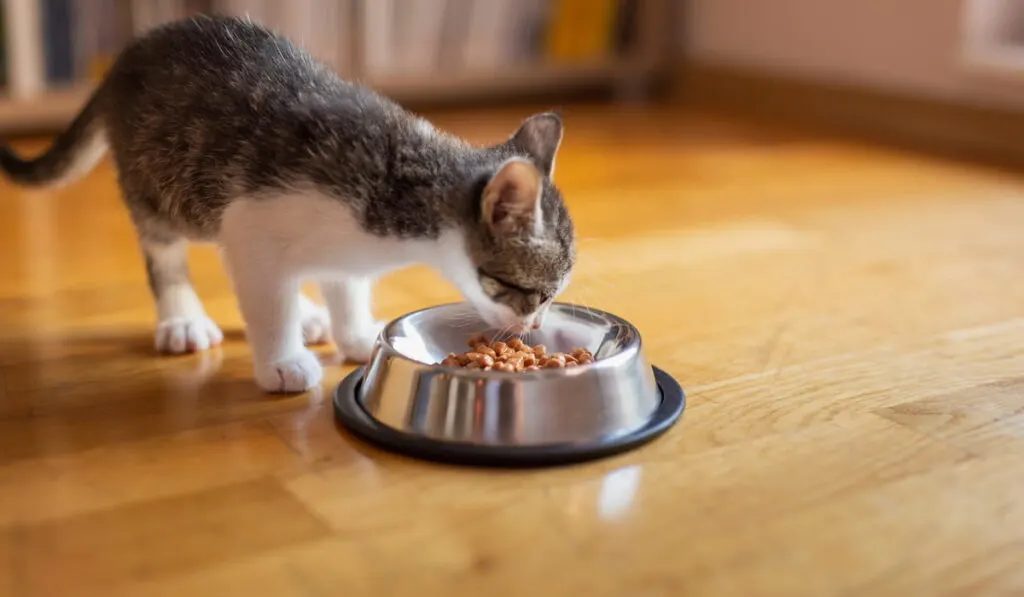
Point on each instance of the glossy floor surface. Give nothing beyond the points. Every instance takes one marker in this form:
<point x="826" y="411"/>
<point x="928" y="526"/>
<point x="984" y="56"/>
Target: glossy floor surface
<point x="848" y="322"/>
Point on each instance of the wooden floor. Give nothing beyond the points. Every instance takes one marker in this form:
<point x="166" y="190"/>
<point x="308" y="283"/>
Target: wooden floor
<point x="848" y="322"/>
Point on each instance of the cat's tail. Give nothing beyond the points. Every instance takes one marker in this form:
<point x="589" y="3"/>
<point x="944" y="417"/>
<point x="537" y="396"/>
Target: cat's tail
<point x="74" y="153"/>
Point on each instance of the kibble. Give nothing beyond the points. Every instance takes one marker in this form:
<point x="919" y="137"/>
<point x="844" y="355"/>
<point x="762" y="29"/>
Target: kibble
<point x="514" y="356"/>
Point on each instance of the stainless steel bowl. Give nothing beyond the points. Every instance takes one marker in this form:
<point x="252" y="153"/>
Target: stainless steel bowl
<point x="404" y="401"/>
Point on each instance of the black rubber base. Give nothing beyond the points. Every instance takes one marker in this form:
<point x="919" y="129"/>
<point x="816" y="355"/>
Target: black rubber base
<point x="353" y="417"/>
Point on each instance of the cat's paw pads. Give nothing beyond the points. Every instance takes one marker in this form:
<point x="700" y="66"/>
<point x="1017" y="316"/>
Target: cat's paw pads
<point x="316" y="324"/>
<point x="356" y="344"/>
<point x="179" y="335"/>
<point x="296" y="373"/>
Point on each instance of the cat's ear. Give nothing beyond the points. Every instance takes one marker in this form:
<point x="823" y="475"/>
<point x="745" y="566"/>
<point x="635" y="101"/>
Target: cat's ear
<point x="510" y="203"/>
<point x="539" y="136"/>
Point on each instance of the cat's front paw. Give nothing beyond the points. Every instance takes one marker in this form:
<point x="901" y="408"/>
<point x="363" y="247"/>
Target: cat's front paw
<point x="356" y="343"/>
<point x="296" y="373"/>
<point x="179" y="335"/>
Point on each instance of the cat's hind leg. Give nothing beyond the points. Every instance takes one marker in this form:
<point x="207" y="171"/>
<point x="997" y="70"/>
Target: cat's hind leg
<point x="354" y="328"/>
<point x="183" y="325"/>
<point x="316" y="322"/>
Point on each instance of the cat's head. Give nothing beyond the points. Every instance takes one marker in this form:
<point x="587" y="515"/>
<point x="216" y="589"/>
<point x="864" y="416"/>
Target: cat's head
<point x="521" y="243"/>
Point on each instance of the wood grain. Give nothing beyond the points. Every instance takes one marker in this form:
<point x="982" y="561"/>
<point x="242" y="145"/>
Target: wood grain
<point x="847" y="320"/>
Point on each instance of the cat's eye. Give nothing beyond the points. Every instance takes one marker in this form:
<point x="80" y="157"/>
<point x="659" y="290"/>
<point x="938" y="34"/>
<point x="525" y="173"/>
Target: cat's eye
<point x="507" y="284"/>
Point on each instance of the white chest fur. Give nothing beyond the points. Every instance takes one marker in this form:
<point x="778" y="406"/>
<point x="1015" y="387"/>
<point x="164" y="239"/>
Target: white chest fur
<point x="311" y="235"/>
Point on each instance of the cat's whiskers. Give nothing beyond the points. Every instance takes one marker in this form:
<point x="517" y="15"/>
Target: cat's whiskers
<point x="505" y="333"/>
<point x="581" y="303"/>
<point x="461" y="318"/>
<point x="586" y="240"/>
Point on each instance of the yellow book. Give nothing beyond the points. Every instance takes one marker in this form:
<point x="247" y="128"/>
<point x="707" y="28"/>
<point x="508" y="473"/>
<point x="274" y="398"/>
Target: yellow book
<point x="581" y="29"/>
<point x="99" y="66"/>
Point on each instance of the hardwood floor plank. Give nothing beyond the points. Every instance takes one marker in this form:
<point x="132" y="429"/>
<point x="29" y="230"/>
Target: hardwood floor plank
<point x="984" y="420"/>
<point x="155" y="539"/>
<point x="719" y="487"/>
<point x="831" y="547"/>
<point x="124" y="473"/>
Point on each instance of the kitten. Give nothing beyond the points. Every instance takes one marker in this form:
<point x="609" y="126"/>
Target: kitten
<point x="224" y="132"/>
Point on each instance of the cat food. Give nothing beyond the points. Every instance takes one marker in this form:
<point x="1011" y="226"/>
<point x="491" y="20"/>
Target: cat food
<point x="514" y="356"/>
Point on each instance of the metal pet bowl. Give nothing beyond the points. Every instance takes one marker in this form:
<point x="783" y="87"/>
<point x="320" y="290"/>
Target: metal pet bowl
<point x="403" y="401"/>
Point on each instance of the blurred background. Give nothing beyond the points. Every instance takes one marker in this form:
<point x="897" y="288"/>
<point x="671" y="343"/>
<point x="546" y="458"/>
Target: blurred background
<point x="415" y="50"/>
<point x="942" y="74"/>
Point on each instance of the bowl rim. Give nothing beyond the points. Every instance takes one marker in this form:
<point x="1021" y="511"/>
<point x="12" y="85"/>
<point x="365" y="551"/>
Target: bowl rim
<point x="598" y="365"/>
<point x="351" y="414"/>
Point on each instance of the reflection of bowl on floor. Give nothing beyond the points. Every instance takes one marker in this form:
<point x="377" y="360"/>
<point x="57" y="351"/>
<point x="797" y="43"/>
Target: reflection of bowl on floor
<point x="403" y="401"/>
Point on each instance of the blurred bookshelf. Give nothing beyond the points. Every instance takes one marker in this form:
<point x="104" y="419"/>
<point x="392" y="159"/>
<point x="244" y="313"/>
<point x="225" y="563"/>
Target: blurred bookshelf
<point x="55" y="51"/>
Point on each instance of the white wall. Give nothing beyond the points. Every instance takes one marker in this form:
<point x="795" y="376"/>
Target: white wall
<point x="901" y="45"/>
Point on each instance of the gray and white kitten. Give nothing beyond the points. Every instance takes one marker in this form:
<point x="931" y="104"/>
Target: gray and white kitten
<point x="222" y="131"/>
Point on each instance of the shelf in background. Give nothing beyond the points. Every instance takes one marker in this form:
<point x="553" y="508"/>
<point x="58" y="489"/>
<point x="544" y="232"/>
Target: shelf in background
<point x="50" y="111"/>
<point x="526" y="79"/>
<point x="53" y="110"/>
<point x="626" y="58"/>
